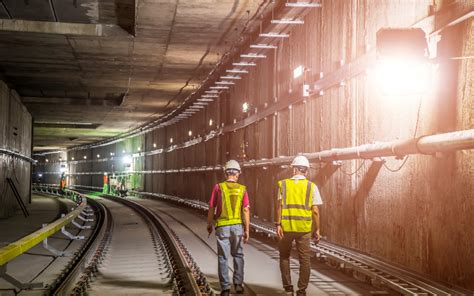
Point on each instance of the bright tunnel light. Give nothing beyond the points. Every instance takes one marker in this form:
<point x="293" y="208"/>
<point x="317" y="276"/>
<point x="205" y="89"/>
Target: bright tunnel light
<point x="245" y="107"/>
<point x="399" y="76"/>
<point x="127" y="159"/>
<point x="298" y="71"/>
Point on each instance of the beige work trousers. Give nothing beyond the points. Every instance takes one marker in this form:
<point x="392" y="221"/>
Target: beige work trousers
<point x="303" y="248"/>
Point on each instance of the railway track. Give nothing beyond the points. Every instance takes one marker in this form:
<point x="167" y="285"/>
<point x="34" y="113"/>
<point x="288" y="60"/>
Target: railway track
<point x="266" y="250"/>
<point x="161" y="263"/>
<point x="121" y="261"/>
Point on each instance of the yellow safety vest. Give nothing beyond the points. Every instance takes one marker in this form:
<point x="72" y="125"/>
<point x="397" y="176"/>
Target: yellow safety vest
<point x="297" y="201"/>
<point x="232" y="197"/>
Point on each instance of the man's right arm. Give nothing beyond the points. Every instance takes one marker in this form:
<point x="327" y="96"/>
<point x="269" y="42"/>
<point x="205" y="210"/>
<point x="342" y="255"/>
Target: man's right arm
<point x="210" y="219"/>
<point x="212" y="207"/>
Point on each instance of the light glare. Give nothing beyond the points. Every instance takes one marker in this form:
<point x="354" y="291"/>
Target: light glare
<point x="298" y="71"/>
<point x="397" y="76"/>
<point x="127" y="159"/>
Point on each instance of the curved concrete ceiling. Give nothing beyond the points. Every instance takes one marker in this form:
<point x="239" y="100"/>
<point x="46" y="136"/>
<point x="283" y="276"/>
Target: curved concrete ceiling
<point x="89" y="69"/>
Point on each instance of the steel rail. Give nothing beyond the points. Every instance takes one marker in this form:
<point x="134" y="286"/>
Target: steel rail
<point x="380" y="273"/>
<point x="191" y="286"/>
<point x="22" y="245"/>
<point x="85" y="263"/>
<point x="76" y="268"/>
<point x="383" y="273"/>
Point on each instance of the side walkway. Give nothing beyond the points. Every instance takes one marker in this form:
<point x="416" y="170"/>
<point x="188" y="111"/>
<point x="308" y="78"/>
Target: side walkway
<point x="37" y="265"/>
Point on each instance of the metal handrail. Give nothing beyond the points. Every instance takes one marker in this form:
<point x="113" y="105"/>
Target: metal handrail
<point x="17" y="248"/>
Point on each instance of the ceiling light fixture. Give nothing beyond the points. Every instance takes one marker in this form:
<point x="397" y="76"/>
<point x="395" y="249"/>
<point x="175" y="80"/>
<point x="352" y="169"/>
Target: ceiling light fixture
<point x="231" y="77"/>
<point x="237" y="71"/>
<point x="244" y="64"/>
<point x="253" y="56"/>
<point x="225" y="82"/>
<point x="303" y="4"/>
<point x="288" y="22"/>
<point x="298" y="71"/>
<point x="274" y="35"/>
<point x="263" y="46"/>
<point x="219" y="87"/>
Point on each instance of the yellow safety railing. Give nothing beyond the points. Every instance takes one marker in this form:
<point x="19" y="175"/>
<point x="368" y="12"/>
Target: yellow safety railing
<point x="22" y="245"/>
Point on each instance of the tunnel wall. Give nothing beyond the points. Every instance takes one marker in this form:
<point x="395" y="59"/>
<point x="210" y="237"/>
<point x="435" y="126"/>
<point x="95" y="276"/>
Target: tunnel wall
<point x="415" y="212"/>
<point x="15" y="135"/>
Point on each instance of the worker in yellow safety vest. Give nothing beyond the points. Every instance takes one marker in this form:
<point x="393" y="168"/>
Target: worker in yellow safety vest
<point x="228" y="200"/>
<point x="297" y="219"/>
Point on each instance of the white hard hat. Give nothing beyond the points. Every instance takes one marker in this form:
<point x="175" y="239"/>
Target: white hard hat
<point x="301" y="161"/>
<point x="232" y="165"/>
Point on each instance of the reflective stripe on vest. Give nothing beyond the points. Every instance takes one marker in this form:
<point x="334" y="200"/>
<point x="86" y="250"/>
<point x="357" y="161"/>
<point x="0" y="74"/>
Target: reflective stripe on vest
<point x="232" y="195"/>
<point x="297" y="200"/>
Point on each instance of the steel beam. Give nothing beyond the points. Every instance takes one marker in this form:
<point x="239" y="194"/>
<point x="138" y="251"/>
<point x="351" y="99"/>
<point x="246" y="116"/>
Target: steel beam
<point x="43" y="27"/>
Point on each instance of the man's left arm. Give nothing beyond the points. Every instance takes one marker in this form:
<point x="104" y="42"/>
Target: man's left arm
<point x="317" y="200"/>
<point x="316" y="223"/>
<point x="246" y="224"/>
<point x="246" y="211"/>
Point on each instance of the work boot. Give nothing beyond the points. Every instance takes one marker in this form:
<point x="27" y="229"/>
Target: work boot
<point x="289" y="291"/>
<point x="301" y="293"/>
<point x="225" y="292"/>
<point x="239" y="289"/>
